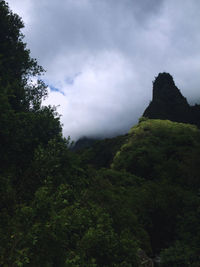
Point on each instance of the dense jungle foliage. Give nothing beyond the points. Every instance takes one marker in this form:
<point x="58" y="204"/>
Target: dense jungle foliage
<point x="132" y="200"/>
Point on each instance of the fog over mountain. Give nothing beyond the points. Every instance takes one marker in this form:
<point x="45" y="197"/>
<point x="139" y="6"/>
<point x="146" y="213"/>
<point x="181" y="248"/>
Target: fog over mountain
<point x="101" y="56"/>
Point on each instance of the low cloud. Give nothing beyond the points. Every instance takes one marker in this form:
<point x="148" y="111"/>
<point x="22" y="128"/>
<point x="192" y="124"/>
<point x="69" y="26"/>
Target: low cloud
<point x="102" y="55"/>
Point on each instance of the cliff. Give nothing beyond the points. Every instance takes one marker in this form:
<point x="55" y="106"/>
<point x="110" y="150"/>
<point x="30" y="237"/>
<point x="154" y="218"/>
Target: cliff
<point x="169" y="103"/>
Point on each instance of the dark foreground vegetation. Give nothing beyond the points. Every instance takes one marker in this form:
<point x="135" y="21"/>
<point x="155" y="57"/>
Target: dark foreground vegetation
<point x="121" y="202"/>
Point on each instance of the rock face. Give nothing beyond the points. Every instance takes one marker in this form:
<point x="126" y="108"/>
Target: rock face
<point x="169" y="103"/>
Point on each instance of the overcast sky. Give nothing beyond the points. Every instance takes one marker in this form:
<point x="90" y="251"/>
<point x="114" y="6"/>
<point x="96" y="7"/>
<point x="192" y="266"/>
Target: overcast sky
<point x="101" y="56"/>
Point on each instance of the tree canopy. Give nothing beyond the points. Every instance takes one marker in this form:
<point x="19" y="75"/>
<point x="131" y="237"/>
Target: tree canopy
<point x="121" y="202"/>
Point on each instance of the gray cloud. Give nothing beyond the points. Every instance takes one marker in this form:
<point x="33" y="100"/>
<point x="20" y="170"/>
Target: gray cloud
<point x="103" y="55"/>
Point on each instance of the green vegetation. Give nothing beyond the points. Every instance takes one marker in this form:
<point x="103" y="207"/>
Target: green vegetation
<point x="161" y="149"/>
<point x="111" y="204"/>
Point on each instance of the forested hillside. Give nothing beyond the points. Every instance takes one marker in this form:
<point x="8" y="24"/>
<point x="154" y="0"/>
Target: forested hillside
<point x="128" y="201"/>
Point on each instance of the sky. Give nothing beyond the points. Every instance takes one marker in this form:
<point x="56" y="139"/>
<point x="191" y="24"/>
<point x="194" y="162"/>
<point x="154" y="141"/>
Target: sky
<point x="101" y="57"/>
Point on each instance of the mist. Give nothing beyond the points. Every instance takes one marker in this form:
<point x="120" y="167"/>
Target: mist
<point x="101" y="57"/>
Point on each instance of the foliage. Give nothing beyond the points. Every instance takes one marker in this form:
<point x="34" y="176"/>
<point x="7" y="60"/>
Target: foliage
<point x="100" y="153"/>
<point x="185" y="250"/>
<point x="161" y="149"/>
<point x="65" y="208"/>
<point x="16" y="66"/>
<point x="24" y="123"/>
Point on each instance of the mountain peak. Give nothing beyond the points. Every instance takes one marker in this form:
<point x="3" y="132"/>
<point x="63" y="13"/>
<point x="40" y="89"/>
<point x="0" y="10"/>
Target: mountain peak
<point x="169" y="103"/>
<point x="165" y="90"/>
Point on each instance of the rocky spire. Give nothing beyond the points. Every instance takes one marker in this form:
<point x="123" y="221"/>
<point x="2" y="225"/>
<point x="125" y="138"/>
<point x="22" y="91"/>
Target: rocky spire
<point x="168" y="102"/>
<point x="165" y="90"/>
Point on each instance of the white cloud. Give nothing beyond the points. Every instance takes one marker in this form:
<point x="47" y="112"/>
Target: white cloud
<point x="100" y="98"/>
<point x="103" y="55"/>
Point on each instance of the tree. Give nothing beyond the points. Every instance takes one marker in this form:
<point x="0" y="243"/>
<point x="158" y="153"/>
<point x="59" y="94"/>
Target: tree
<point x="16" y="66"/>
<point x="24" y="123"/>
